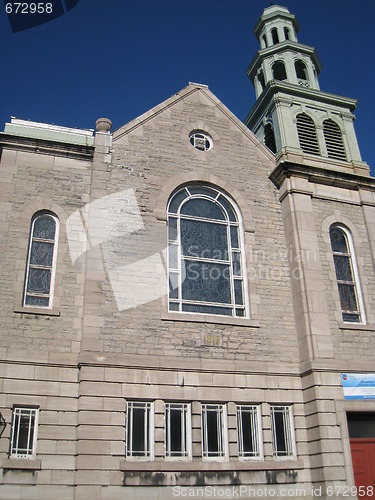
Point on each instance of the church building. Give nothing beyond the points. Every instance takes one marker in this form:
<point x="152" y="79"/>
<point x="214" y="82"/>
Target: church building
<point x="187" y="303"/>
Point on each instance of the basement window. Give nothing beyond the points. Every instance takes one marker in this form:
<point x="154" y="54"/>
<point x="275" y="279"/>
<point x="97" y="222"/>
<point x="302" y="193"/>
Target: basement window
<point x="248" y="431"/>
<point x="177" y="430"/>
<point x="139" y="430"/>
<point x="214" y="431"/>
<point x="23" y="432"/>
<point x="283" y="442"/>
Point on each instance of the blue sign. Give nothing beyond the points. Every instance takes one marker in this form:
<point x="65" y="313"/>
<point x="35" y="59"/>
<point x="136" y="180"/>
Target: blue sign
<point x="358" y="385"/>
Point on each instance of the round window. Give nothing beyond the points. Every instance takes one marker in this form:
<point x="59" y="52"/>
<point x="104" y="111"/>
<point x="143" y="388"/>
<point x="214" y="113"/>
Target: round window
<point x="200" y="140"/>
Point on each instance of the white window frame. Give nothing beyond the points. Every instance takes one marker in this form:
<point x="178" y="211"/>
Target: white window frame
<point x="177" y="272"/>
<point x="200" y="140"/>
<point x="222" y="431"/>
<point x="186" y="445"/>
<point x="256" y="430"/>
<point x="289" y="432"/>
<point x="52" y="268"/>
<point x="148" y="408"/>
<point x="356" y="281"/>
<point x="24" y="413"/>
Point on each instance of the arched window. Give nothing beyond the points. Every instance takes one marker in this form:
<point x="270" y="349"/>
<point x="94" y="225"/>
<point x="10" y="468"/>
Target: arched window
<point x="41" y="260"/>
<point x="333" y="139"/>
<point x="264" y="41"/>
<point x="205" y="258"/>
<point x="346" y="274"/>
<point x="261" y="79"/>
<point x="269" y="138"/>
<point x="278" y="71"/>
<point x="301" y="70"/>
<point x="307" y="134"/>
<point x="287" y="33"/>
<point x="275" y="35"/>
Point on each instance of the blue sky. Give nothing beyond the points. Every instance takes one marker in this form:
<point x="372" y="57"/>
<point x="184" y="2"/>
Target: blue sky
<point x="119" y="58"/>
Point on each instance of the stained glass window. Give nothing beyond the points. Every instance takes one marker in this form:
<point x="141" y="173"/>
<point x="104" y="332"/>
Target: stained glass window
<point x="205" y="258"/>
<point x="345" y="274"/>
<point x="41" y="260"/>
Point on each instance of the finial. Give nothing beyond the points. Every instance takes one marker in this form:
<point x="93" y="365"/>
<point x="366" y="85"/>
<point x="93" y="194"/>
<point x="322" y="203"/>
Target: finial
<point x="103" y="125"/>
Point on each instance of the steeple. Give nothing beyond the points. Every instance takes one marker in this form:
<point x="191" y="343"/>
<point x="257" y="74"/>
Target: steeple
<point x="291" y="114"/>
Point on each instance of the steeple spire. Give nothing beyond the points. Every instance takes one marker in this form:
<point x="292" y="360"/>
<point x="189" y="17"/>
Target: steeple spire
<point x="292" y="115"/>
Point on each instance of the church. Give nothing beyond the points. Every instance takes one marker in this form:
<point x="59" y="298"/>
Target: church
<point x="187" y="303"/>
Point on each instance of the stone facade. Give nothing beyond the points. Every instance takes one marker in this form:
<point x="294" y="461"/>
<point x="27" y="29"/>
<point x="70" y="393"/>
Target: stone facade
<point x="80" y="361"/>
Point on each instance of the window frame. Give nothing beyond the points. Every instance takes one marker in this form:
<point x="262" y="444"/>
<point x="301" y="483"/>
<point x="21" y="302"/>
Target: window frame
<point x="257" y="436"/>
<point x="221" y="428"/>
<point x="201" y="140"/>
<point x="289" y="432"/>
<point x="148" y="430"/>
<point x="52" y="267"/>
<point x="355" y="275"/>
<point x="185" y="410"/>
<point x="19" y="411"/>
<point x="176" y="272"/>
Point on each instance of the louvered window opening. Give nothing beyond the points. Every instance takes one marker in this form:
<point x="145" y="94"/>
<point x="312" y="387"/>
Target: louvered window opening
<point x="333" y="139"/>
<point x="269" y="138"/>
<point x="307" y="135"/>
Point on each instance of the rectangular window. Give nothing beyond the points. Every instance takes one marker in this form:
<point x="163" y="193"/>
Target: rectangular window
<point x="139" y="429"/>
<point x="177" y="430"/>
<point x="24" y="432"/>
<point x="248" y="431"/>
<point x="282" y="431"/>
<point x="214" y="431"/>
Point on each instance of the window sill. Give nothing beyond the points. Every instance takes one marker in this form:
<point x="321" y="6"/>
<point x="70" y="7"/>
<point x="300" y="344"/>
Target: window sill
<point x="356" y="326"/>
<point x="208" y="318"/>
<point x="200" y="465"/>
<point x="31" y="464"/>
<point x="42" y="311"/>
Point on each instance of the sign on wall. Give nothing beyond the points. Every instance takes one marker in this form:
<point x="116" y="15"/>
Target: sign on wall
<point x="358" y="385"/>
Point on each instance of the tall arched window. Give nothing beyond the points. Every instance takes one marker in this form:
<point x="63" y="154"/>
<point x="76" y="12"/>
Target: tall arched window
<point x="278" y="71"/>
<point x="286" y="33"/>
<point x="275" y="35"/>
<point x="346" y="274"/>
<point x="307" y="137"/>
<point x="301" y="70"/>
<point x="269" y="138"/>
<point x="261" y="79"/>
<point x="264" y="41"/>
<point x="41" y="260"/>
<point x="205" y="258"/>
<point x="333" y="140"/>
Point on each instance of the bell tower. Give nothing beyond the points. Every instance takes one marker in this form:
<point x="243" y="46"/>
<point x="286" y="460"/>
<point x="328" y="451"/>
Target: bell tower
<point x="295" y="119"/>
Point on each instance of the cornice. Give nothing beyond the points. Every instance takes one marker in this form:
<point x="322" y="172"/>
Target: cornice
<point x="320" y="175"/>
<point x="48" y="147"/>
<point x="287" y="45"/>
<point x="282" y="92"/>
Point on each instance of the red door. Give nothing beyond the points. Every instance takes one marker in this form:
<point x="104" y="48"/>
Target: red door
<point x="363" y="458"/>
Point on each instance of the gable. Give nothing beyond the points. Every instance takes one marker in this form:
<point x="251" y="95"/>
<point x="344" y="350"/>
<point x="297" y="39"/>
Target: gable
<point x="194" y="108"/>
